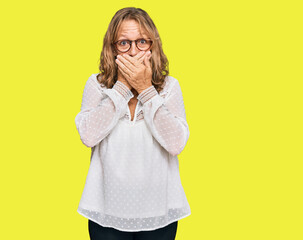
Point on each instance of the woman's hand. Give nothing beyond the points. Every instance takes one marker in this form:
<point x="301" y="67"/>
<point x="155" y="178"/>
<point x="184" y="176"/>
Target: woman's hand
<point x="122" y="79"/>
<point x="138" y="74"/>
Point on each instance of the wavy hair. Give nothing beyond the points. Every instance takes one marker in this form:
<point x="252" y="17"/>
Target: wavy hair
<point x="108" y="68"/>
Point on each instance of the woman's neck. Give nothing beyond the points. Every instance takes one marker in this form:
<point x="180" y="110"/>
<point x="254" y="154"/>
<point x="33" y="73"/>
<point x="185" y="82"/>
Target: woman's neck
<point x="134" y="92"/>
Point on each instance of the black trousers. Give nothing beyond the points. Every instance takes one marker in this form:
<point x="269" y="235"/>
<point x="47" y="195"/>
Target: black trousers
<point x="98" y="232"/>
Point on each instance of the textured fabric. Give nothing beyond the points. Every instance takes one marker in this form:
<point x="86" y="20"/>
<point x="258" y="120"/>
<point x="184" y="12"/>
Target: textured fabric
<point x="133" y="182"/>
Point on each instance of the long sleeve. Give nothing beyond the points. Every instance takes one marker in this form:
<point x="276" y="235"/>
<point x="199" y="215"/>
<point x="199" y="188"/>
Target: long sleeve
<point x="166" y="117"/>
<point x="101" y="108"/>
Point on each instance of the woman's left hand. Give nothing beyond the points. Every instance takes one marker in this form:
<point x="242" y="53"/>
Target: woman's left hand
<point x="138" y="75"/>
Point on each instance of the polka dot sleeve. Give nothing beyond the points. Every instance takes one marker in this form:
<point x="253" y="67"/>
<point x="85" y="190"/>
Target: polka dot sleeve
<point x="166" y="117"/>
<point x="101" y="108"/>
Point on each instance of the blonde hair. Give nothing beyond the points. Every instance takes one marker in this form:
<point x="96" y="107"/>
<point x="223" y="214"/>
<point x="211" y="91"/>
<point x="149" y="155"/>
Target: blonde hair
<point x="108" y="66"/>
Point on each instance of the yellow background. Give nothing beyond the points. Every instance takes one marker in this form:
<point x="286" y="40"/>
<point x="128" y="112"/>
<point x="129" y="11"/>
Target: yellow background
<point x="239" y="64"/>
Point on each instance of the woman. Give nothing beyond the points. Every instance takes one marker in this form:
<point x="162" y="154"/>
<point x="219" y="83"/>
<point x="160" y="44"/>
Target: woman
<point x="133" y="119"/>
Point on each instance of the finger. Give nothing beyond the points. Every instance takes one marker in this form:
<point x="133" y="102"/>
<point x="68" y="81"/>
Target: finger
<point x="135" y="62"/>
<point x="147" y="60"/>
<point x="124" y="64"/>
<point x="122" y="68"/>
<point x="146" y="55"/>
<point x="140" y="55"/>
<point x="141" y="58"/>
<point x="124" y="73"/>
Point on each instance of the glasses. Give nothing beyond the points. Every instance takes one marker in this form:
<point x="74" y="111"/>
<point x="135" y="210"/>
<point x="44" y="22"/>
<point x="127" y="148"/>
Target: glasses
<point x="124" y="44"/>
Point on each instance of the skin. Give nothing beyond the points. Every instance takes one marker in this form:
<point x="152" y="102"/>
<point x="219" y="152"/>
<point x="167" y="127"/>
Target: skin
<point x="134" y="68"/>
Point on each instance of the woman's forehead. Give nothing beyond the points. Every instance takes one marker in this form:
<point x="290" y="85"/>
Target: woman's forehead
<point x="131" y="28"/>
<point x="132" y="35"/>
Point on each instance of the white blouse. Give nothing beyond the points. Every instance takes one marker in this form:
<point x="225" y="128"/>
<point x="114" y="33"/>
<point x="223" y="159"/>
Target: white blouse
<point x="133" y="182"/>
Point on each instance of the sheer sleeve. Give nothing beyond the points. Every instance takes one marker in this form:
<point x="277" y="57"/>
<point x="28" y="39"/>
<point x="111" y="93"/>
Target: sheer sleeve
<point x="101" y="108"/>
<point x="166" y="117"/>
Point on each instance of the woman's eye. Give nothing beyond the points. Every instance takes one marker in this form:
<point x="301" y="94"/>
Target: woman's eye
<point x="123" y="42"/>
<point x="142" y="41"/>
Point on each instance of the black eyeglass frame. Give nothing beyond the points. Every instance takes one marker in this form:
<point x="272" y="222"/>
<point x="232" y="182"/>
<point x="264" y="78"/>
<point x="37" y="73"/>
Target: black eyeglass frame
<point x="130" y="44"/>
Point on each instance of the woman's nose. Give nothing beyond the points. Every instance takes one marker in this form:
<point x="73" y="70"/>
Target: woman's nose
<point x="133" y="51"/>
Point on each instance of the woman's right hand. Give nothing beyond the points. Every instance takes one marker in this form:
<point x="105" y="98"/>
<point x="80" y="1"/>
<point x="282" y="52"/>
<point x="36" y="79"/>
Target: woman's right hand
<point x="123" y="80"/>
